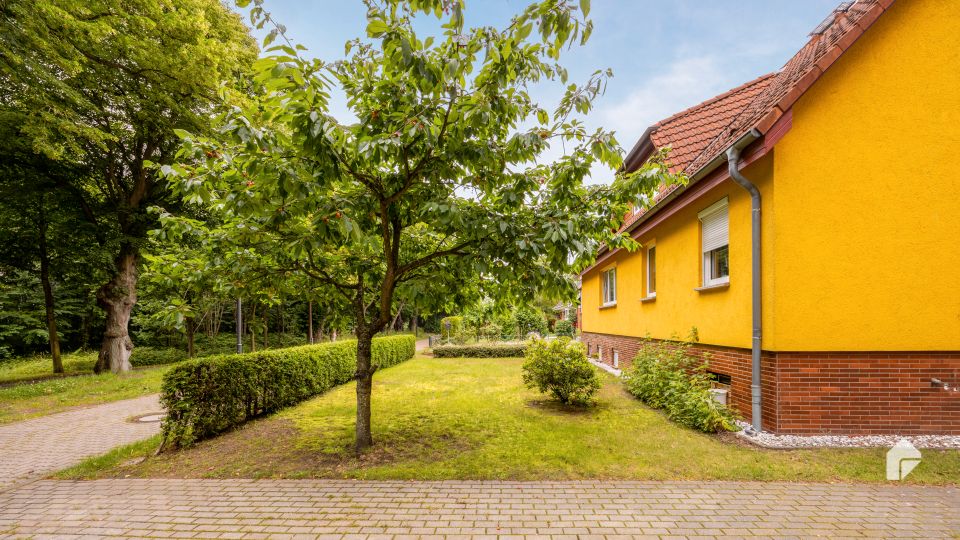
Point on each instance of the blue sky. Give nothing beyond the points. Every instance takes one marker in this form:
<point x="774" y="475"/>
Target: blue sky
<point x="666" y="55"/>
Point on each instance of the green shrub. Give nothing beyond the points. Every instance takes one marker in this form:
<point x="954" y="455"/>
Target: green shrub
<point x="508" y="326"/>
<point x="560" y="367"/>
<point x="530" y="320"/>
<point x="563" y="328"/>
<point x="667" y="376"/>
<point x="209" y="395"/>
<point x="480" y="350"/>
<point x="491" y="332"/>
<point x="154" y="356"/>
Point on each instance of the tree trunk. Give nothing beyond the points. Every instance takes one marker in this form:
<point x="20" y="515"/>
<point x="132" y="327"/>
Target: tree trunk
<point x="251" y="327"/>
<point x="413" y="323"/>
<point x="48" y="300"/>
<point x="310" y="322"/>
<point x="364" y="437"/>
<point x="190" y="333"/>
<point x="393" y="325"/>
<point x="85" y="330"/>
<point x="117" y="298"/>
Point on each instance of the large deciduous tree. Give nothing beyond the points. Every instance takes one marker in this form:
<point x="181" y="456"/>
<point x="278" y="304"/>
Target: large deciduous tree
<point x="104" y="83"/>
<point x="440" y="180"/>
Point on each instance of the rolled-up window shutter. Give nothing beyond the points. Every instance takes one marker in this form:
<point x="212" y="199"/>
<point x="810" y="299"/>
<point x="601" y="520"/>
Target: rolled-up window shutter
<point x="715" y="225"/>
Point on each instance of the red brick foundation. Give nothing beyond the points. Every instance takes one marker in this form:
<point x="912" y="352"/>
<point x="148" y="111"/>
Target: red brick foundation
<point x="831" y="392"/>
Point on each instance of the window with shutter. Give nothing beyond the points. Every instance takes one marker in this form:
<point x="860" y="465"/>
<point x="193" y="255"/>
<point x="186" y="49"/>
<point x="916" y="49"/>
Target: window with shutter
<point x="651" y="271"/>
<point x="715" y="243"/>
<point x="609" y="280"/>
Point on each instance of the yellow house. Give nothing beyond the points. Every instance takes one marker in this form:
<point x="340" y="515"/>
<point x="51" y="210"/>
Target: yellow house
<point x="841" y="312"/>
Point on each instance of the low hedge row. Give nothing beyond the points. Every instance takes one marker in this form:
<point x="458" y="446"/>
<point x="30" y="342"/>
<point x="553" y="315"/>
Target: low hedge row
<point x="481" y="350"/>
<point x="206" y="396"/>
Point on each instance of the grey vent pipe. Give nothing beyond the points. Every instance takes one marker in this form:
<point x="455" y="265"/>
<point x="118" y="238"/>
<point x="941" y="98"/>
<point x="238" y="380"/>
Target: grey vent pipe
<point x="733" y="163"/>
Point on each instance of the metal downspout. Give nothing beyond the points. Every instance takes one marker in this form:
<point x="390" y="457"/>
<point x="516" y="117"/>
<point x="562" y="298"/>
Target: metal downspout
<point x="733" y="163"/>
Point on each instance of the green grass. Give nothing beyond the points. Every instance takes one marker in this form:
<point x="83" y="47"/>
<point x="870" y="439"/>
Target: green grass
<point x="472" y="419"/>
<point x="36" y="367"/>
<point x="24" y="401"/>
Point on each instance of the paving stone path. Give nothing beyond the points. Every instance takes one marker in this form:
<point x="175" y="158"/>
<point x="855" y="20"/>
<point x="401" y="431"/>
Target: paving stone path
<point x="36" y="447"/>
<point x="371" y="510"/>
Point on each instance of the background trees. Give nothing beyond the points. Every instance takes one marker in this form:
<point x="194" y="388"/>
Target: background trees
<point x="436" y="184"/>
<point x="103" y="84"/>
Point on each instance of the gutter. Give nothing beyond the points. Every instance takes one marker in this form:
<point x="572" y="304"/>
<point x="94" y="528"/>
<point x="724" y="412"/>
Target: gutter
<point x="733" y="164"/>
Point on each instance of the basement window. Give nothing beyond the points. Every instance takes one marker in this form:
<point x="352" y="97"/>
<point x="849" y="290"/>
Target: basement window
<point x="719" y="380"/>
<point x="715" y="244"/>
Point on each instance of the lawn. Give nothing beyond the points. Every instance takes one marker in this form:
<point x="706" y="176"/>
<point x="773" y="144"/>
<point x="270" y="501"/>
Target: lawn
<point x="472" y="419"/>
<point x="38" y="367"/>
<point x="22" y="401"/>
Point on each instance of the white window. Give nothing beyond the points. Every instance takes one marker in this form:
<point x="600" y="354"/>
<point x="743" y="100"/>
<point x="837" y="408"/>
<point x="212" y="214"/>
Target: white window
<point x="651" y="271"/>
<point x="715" y="243"/>
<point x="609" y="287"/>
<point x="616" y="359"/>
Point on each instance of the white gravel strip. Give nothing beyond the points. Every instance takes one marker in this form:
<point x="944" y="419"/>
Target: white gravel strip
<point x="605" y="367"/>
<point x="772" y="440"/>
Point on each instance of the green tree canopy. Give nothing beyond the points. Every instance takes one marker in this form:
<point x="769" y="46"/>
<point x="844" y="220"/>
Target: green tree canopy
<point x="103" y="84"/>
<point x="438" y="182"/>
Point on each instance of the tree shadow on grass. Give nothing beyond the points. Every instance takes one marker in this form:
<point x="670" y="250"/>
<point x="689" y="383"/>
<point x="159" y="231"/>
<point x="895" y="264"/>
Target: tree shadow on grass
<point x="553" y="406"/>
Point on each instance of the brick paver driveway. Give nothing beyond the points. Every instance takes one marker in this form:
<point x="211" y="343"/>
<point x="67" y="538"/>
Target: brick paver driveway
<point x="355" y="509"/>
<point x="42" y="445"/>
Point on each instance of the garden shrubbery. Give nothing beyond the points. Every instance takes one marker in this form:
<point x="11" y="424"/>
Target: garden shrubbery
<point x="209" y="395"/>
<point x="563" y="328"/>
<point x="480" y="350"/>
<point x="560" y="368"/>
<point x="667" y="376"/>
<point x="156" y="356"/>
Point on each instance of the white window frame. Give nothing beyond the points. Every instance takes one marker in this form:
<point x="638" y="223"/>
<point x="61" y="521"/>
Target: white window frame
<point x="651" y="293"/>
<point x="608" y="290"/>
<point x="714" y="211"/>
<point x="616" y="358"/>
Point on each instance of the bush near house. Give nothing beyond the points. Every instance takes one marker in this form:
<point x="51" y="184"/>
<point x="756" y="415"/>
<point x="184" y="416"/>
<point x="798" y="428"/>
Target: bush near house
<point x="560" y="368"/>
<point x="563" y="328"/>
<point x="667" y="376"/>
<point x="481" y="350"/>
<point x="209" y="395"/>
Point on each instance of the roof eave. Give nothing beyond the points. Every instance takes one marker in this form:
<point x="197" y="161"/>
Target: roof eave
<point x="744" y="141"/>
<point x="640" y="151"/>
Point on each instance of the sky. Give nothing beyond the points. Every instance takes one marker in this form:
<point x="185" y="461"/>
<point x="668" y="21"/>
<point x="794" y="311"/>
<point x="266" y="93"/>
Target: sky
<point x="666" y="55"/>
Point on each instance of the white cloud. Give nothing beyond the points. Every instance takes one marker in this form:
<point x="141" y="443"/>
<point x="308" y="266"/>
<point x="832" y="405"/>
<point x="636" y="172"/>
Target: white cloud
<point x="685" y="83"/>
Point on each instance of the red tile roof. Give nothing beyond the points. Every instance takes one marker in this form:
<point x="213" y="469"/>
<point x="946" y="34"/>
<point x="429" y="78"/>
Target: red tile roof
<point x="687" y="133"/>
<point x="834" y="35"/>
<point x="701" y="133"/>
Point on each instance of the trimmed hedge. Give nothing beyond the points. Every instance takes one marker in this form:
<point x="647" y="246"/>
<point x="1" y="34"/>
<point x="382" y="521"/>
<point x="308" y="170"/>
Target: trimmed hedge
<point x="206" y="396"/>
<point x="481" y="350"/>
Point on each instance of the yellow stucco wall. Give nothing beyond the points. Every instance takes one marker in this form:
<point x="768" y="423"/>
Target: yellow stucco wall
<point x="862" y="238"/>
<point x="721" y="317"/>
<point x="868" y="193"/>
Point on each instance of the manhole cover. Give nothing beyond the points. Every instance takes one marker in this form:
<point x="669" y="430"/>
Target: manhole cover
<point x="148" y="418"/>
